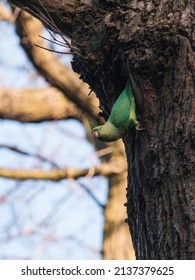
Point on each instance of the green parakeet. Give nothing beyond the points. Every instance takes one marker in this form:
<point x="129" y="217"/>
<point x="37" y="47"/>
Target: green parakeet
<point x="122" y="117"/>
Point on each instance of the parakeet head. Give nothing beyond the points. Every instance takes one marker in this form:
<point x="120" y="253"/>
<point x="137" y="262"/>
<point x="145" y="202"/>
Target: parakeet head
<point x="105" y="133"/>
<point x="99" y="133"/>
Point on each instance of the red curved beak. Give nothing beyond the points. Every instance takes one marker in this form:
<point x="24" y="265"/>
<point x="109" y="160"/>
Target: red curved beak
<point x="95" y="134"/>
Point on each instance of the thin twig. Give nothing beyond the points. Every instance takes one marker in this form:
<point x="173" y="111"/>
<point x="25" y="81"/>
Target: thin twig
<point x="49" y="22"/>
<point x="90" y="193"/>
<point x="17" y="150"/>
<point x="50" y="50"/>
<point x="54" y="42"/>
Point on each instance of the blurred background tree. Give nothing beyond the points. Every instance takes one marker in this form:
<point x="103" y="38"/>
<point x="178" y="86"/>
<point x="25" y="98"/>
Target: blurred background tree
<point x="51" y="170"/>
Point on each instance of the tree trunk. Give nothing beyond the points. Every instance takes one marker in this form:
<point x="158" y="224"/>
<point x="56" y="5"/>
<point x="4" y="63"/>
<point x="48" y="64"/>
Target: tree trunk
<point x="161" y="189"/>
<point x="154" y="42"/>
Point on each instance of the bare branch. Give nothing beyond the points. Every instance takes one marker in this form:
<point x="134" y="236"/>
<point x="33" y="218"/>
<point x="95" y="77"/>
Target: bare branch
<point x="36" y="105"/>
<point x="105" y="169"/>
<point x="5" y="14"/>
<point x="106" y="151"/>
<point x="52" y="69"/>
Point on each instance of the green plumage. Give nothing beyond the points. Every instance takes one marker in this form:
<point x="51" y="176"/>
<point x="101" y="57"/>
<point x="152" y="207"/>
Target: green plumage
<point x="122" y="117"/>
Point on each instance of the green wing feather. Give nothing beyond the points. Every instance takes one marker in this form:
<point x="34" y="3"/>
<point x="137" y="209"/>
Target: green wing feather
<point x="121" y="108"/>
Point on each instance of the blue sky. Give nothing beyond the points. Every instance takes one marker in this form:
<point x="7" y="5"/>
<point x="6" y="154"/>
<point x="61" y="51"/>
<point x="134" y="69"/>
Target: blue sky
<point x="39" y="219"/>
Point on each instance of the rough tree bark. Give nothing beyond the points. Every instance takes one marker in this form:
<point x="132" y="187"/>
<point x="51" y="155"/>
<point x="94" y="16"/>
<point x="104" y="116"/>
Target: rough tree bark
<point x="155" y="42"/>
